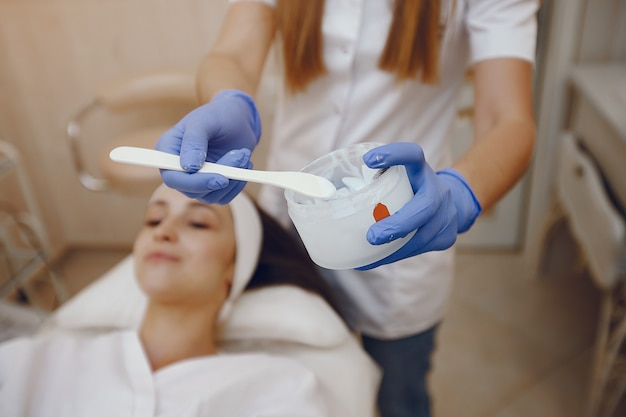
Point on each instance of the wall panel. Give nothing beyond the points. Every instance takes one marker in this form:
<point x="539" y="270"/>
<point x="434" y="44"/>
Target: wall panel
<point x="53" y="53"/>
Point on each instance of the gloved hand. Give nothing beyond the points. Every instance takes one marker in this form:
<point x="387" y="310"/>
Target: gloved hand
<point x="215" y="188"/>
<point x="228" y="122"/>
<point x="443" y="206"/>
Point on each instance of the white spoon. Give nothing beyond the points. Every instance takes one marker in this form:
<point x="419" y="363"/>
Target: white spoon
<point x="300" y="182"/>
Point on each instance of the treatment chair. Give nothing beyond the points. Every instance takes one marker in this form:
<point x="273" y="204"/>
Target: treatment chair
<point x="131" y="110"/>
<point x="279" y="320"/>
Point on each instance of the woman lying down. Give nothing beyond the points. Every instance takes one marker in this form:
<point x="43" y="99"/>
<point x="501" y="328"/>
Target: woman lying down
<point x="192" y="260"/>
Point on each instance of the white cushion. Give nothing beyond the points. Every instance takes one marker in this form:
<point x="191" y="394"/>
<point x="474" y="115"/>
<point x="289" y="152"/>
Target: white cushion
<point x="277" y="313"/>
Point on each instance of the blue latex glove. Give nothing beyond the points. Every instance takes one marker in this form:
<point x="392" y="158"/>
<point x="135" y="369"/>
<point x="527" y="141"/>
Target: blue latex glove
<point x="215" y="187"/>
<point x="228" y="122"/>
<point x="444" y="205"/>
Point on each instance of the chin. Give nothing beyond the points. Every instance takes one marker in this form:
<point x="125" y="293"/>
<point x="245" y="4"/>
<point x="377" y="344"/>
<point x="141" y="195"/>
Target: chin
<point x="153" y="284"/>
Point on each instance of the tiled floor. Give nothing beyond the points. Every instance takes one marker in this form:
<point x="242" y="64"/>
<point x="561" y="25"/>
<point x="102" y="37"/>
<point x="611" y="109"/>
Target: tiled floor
<point x="511" y="345"/>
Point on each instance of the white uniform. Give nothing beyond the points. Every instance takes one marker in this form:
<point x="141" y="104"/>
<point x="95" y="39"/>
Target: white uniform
<point x="356" y="102"/>
<point x="109" y="375"/>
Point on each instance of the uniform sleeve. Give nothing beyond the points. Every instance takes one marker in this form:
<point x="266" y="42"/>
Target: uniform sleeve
<point x="502" y="29"/>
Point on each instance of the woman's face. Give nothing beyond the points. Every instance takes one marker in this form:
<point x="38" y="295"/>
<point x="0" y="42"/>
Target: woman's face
<point x="185" y="251"/>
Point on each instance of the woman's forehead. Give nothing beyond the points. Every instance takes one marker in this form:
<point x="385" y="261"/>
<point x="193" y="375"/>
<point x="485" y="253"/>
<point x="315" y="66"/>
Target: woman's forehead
<point x="178" y="201"/>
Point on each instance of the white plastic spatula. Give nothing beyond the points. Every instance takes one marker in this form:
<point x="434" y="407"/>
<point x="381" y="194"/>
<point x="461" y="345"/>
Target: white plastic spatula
<point x="300" y="182"/>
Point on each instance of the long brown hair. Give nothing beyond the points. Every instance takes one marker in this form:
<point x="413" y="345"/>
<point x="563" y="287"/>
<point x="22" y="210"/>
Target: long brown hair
<point x="284" y="261"/>
<point x="412" y="46"/>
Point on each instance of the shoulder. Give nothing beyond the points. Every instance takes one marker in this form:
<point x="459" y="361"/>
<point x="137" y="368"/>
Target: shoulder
<point x="273" y="371"/>
<point x="498" y="13"/>
<point x="264" y="362"/>
<point x="15" y="345"/>
<point x="290" y="384"/>
<point x="61" y="357"/>
<point x="65" y="344"/>
<point x="501" y="28"/>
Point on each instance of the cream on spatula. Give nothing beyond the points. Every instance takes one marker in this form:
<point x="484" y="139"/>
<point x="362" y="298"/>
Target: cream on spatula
<point x="300" y="182"/>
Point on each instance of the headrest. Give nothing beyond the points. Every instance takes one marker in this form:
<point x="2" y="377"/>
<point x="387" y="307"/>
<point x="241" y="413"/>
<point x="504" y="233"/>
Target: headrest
<point x="280" y="313"/>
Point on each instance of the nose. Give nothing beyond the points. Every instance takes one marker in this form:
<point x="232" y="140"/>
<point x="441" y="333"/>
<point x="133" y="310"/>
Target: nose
<point x="165" y="231"/>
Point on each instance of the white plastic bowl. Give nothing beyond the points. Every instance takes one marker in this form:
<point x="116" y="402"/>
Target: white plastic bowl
<point x="334" y="231"/>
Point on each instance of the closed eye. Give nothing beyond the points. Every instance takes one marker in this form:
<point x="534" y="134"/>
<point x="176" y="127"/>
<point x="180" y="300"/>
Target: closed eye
<point x="152" y="223"/>
<point x="198" y="225"/>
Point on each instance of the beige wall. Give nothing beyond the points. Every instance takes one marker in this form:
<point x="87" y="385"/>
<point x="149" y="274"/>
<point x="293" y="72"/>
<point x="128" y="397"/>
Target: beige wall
<point x="53" y="52"/>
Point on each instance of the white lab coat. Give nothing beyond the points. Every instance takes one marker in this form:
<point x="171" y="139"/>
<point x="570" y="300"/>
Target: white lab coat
<point x="356" y="102"/>
<point x="109" y="375"/>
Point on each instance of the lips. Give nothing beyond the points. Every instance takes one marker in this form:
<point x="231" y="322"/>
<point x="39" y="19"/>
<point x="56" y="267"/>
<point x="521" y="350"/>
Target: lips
<point x="161" y="257"/>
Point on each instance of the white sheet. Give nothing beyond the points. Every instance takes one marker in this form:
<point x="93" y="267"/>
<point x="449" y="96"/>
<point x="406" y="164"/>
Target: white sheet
<point x="109" y="375"/>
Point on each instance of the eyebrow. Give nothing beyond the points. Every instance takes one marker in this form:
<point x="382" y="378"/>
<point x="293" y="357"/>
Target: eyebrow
<point x="198" y="204"/>
<point x="192" y="204"/>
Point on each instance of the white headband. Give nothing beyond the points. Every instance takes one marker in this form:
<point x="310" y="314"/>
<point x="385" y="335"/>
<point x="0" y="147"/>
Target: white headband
<point x="248" y="238"/>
